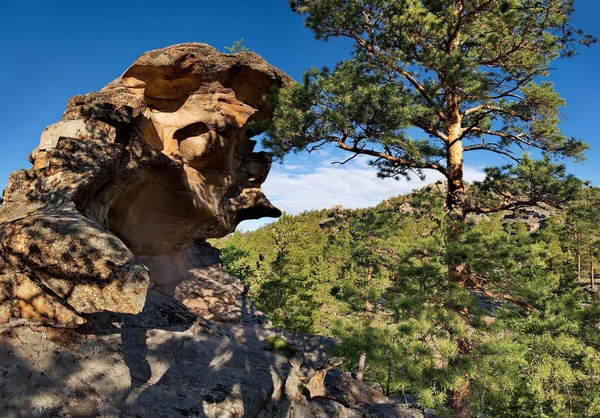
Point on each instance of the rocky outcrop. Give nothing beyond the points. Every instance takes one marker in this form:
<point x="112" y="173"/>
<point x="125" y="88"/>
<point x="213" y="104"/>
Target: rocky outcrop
<point x="127" y="186"/>
<point x="168" y="362"/>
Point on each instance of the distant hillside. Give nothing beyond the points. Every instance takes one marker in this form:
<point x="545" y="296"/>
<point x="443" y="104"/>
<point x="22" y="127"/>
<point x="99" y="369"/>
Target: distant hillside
<point x="326" y="248"/>
<point x="534" y="217"/>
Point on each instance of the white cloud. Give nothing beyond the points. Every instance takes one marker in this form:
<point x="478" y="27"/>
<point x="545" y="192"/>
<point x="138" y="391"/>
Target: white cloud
<point x="292" y="167"/>
<point x="354" y="185"/>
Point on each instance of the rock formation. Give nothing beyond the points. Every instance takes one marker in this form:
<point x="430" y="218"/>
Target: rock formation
<point x="112" y="304"/>
<point x="127" y="186"/>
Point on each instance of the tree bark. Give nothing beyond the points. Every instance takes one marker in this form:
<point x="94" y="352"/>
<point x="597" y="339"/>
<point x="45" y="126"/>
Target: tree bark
<point x="459" y="401"/>
<point x="368" y="305"/>
<point x="578" y="259"/>
<point x="456" y="195"/>
<point x="456" y="201"/>
<point x="361" y="367"/>
<point x="591" y="254"/>
<point x="456" y="198"/>
<point x="389" y="377"/>
<point x="456" y="204"/>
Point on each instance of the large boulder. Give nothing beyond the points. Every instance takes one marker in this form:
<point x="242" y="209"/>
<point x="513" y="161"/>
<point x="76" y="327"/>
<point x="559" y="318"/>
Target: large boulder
<point x="126" y="187"/>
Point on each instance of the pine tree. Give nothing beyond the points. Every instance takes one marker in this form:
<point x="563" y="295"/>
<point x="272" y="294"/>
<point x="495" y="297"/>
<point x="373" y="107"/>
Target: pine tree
<point x="584" y="225"/>
<point x="238" y="46"/>
<point x="533" y="332"/>
<point x="470" y="74"/>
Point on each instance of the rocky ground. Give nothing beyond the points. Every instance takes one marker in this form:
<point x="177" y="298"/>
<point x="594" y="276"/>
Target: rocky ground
<point x="168" y="362"/>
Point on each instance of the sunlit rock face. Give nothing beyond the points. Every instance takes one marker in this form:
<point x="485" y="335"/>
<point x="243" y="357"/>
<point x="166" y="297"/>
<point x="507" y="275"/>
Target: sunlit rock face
<point x="200" y="109"/>
<point x="126" y="187"/>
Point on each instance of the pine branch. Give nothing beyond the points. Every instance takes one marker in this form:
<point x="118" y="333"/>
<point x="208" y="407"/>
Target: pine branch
<point x="493" y="148"/>
<point x="396" y="160"/>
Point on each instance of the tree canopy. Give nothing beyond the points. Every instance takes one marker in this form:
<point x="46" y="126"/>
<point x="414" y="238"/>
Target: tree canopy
<point x="471" y="75"/>
<point x="428" y="83"/>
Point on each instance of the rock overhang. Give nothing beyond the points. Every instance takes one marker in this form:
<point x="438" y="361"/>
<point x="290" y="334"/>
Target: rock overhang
<point x="157" y="161"/>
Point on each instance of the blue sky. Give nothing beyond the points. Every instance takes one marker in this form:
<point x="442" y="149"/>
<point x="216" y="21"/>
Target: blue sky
<point x="52" y="50"/>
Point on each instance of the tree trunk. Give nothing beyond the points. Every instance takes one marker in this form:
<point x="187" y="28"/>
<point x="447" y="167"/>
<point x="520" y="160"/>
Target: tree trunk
<point x="456" y="195"/>
<point x="368" y="305"/>
<point x="459" y="401"/>
<point x="361" y="367"/>
<point x="591" y="254"/>
<point x="456" y="205"/>
<point x="456" y="198"/>
<point x="454" y="147"/>
<point x="578" y="252"/>
<point x="578" y="265"/>
<point x="389" y="377"/>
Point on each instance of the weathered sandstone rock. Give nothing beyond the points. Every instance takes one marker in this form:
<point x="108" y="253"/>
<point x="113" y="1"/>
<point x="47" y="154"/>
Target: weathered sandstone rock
<point x="76" y="128"/>
<point x="127" y="186"/>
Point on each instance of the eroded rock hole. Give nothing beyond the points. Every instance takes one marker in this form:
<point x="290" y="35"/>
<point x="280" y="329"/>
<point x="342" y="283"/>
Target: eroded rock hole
<point x="195" y="129"/>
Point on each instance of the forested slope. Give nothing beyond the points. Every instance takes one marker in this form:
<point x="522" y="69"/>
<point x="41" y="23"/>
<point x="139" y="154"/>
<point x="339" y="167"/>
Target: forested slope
<point x="378" y="279"/>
